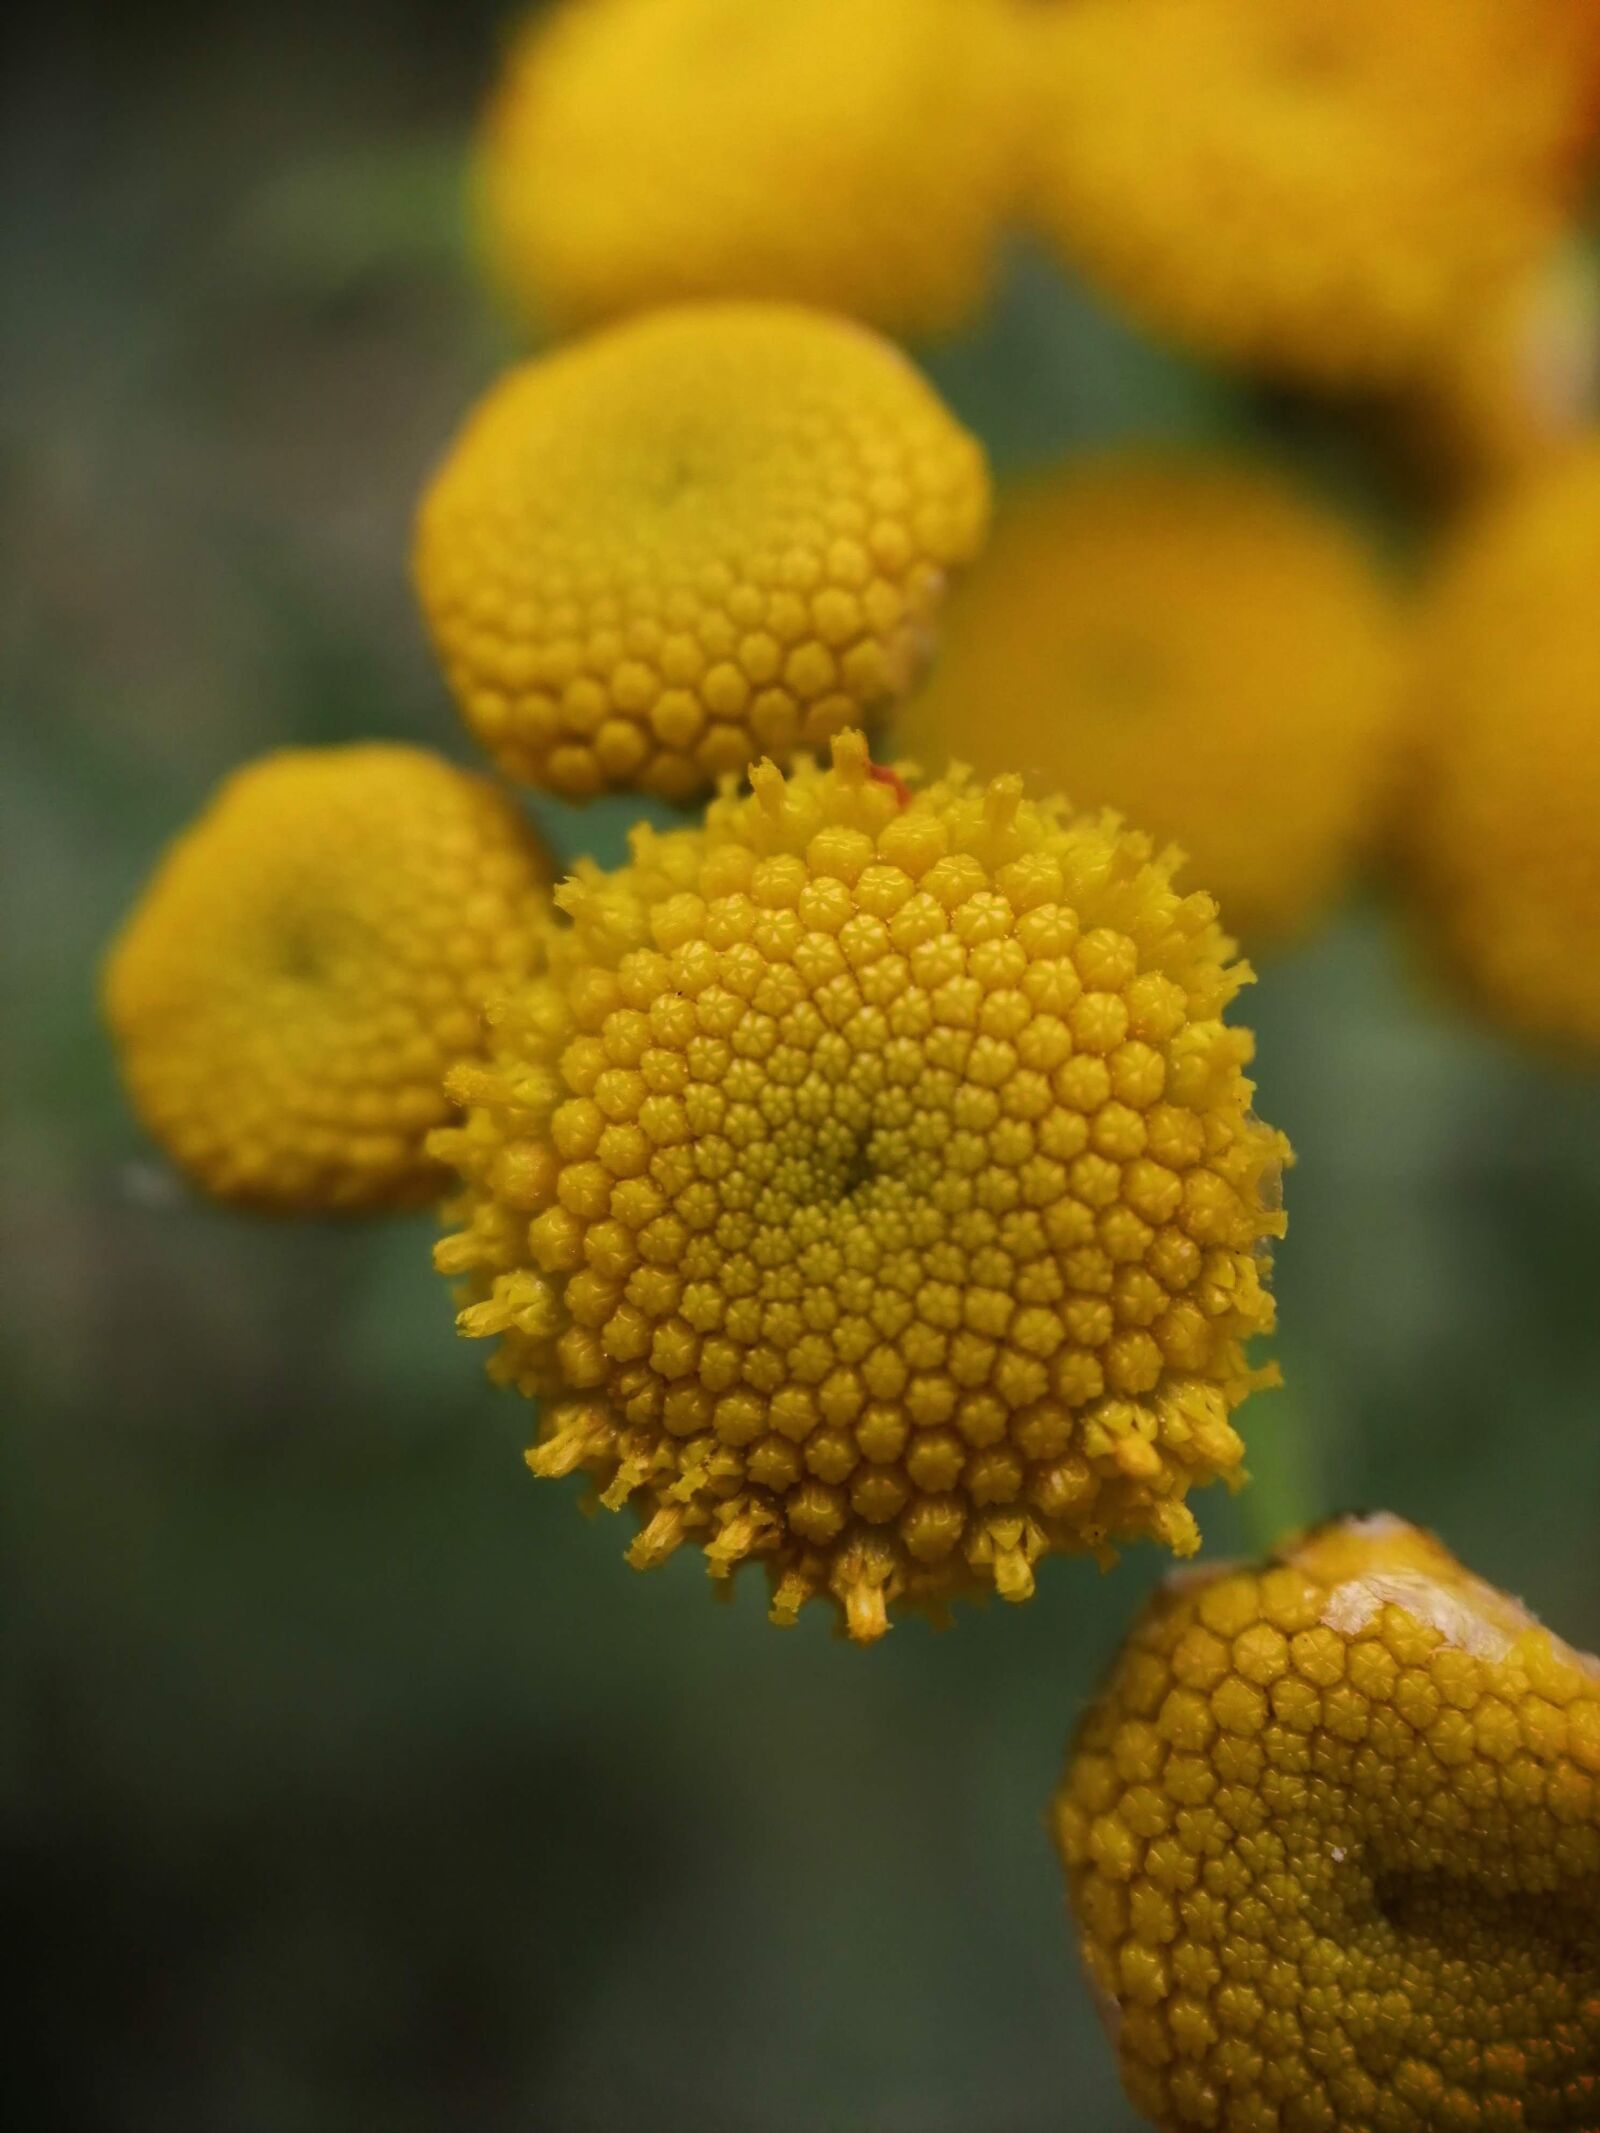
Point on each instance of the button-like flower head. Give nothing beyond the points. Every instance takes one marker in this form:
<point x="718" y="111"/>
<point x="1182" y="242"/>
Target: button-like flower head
<point x="868" y="1186"/>
<point x="1332" y="1834"/>
<point x="1504" y="827"/>
<point x="310" y="957"/>
<point x="1323" y="189"/>
<point x="858" y="154"/>
<point x="716" y="532"/>
<point x="1192" y="643"/>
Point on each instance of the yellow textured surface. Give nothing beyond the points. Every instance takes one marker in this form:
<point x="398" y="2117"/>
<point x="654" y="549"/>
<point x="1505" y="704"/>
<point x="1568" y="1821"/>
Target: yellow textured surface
<point x="309" y="958"/>
<point x="1333" y="1841"/>
<point x="1505" y="818"/>
<point x="717" y="532"/>
<point x="869" y="1187"/>
<point x="859" y="154"/>
<point x="1193" y="644"/>
<point x="1322" y="188"/>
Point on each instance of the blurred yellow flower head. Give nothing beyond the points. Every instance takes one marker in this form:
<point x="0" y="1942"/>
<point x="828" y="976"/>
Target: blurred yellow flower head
<point x="1190" y="642"/>
<point x="722" y="530"/>
<point x="1521" y="380"/>
<point x="867" y="1186"/>
<point x="309" y="958"/>
<point x="1504" y="823"/>
<point x="858" y="154"/>
<point x="1323" y="189"/>
<point x="1333" y="1842"/>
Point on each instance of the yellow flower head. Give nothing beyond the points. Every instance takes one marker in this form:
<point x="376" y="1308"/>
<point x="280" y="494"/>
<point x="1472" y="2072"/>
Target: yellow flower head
<point x="1521" y="380"/>
<point x="1324" y="189"/>
<point x="1332" y="1834"/>
<point x="1190" y="643"/>
<point x="868" y="1186"/>
<point x="1505" y="828"/>
<point x="717" y="531"/>
<point x="309" y="958"/>
<point x="858" y="154"/>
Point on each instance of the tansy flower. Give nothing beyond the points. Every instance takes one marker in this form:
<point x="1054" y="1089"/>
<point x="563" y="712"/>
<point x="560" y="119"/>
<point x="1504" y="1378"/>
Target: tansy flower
<point x="1192" y="644"/>
<point x="309" y="958"/>
<point x="1325" y="189"/>
<point x="1504" y="821"/>
<point x="1333" y="1841"/>
<point x="860" y="157"/>
<point x="1518" y="383"/>
<point x="721" y="530"/>
<point x="868" y="1186"/>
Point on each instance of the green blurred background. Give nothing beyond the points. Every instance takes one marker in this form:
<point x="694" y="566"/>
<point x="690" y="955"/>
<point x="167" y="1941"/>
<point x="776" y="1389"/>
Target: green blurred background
<point x="348" y="1779"/>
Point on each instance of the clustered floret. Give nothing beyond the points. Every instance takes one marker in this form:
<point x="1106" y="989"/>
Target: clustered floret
<point x="310" y="957"/>
<point x="716" y="532"/>
<point x="1332" y="1837"/>
<point x="867" y="1185"/>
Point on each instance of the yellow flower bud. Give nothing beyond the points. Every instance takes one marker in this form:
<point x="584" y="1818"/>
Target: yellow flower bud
<point x="712" y="533"/>
<point x="1504" y="826"/>
<point x="310" y="957"/>
<point x="1195" y="645"/>
<point x="857" y="154"/>
<point x="1332" y="1836"/>
<point x="1323" y="189"/>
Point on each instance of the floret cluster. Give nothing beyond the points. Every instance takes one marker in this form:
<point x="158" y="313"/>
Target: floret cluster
<point x="867" y="1185"/>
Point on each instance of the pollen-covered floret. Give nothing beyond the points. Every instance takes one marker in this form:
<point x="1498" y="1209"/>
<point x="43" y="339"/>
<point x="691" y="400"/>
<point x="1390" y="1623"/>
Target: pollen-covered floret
<point x="1504" y="822"/>
<point x="858" y="156"/>
<point x="717" y="532"/>
<point x="868" y="1186"/>
<point x="310" y="957"/>
<point x="1190" y="642"/>
<point x="1332" y="1835"/>
<point x="1324" y="189"/>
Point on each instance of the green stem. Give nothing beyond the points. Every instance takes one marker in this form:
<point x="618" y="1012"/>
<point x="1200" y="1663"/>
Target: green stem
<point x="1287" y="1490"/>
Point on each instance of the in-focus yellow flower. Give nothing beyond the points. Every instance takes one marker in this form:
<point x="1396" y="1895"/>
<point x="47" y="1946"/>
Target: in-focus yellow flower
<point x="1504" y="825"/>
<point x="309" y="958"/>
<point x="868" y="1187"/>
<point x="715" y="532"/>
<point x="1324" y="189"/>
<point x="858" y="154"/>
<point x="1332" y="1834"/>
<point x="1191" y="643"/>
